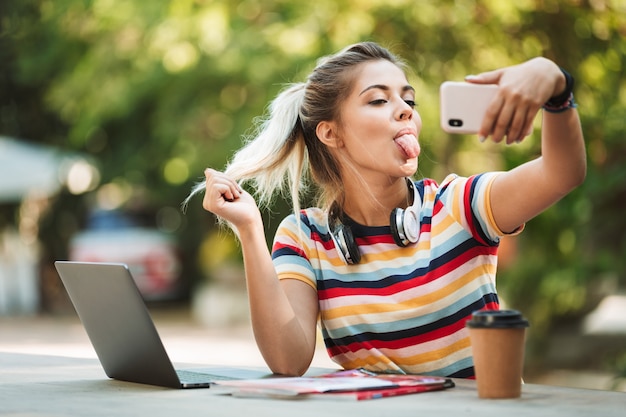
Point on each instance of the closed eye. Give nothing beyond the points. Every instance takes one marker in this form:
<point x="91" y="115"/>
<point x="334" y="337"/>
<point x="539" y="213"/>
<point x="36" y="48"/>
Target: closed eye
<point x="380" y="101"/>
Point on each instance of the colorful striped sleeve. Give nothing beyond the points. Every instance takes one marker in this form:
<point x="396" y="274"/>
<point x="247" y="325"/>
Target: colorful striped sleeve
<point x="471" y="206"/>
<point x="289" y="253"/>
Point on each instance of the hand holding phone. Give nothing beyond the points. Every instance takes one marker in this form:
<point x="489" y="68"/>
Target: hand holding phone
<point x="464" y="104"/>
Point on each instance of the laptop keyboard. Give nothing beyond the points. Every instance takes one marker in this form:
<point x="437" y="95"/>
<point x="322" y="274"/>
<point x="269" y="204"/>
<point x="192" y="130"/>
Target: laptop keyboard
<point x="191" y="376"/>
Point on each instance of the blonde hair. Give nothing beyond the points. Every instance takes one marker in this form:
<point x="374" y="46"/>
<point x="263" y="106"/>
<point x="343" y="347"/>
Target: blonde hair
<point x="284" y="148"/>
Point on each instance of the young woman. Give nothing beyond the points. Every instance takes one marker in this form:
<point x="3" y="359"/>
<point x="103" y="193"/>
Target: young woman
<point x="391" y="268"/>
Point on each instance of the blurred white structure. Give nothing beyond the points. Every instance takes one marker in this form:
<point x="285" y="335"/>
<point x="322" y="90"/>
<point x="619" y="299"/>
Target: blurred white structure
<point x="609" y="318"/>
<point x="19" y="288"/>
<point x="29" y="175"/>
<point x="27" y="169"/>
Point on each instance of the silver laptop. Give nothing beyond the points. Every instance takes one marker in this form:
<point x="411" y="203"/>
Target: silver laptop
<point x="122" y="332"/>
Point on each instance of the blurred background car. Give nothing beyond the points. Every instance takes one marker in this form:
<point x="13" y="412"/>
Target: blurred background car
<point x="122" y="237"/>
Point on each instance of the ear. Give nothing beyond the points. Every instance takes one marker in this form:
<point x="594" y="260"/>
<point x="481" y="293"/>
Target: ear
<point x="327" y="134"/>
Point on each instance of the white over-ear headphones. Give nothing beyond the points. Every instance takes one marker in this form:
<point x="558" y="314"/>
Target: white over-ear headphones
<point x="405" y="229"/>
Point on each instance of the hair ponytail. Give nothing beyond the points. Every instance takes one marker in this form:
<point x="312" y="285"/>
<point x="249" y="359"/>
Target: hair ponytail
<point x="273" y="157"/>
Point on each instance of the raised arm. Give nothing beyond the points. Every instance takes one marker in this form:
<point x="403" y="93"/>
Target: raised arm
<point x="525" y="191"/>
<point x="283" y="313"/>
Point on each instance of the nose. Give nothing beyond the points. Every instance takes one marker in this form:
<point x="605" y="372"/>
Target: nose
<point x="405" y="112"/>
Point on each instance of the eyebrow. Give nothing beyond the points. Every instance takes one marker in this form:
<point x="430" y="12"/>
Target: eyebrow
<point x="385" y="88"/>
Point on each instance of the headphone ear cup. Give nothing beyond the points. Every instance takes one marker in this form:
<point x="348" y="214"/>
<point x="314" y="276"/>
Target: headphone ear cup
<point x="411" y="224"/>
<point x="346" y="245"/>
<point x="405" y="224"/>
<point x="396" y="223"/>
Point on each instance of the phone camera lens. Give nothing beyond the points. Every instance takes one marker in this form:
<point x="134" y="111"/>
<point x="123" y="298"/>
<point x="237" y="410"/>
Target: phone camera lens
<point x="455" y="122"/>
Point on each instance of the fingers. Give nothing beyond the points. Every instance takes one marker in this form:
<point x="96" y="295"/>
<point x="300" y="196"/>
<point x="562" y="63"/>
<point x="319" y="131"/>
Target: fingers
<point x="219" y="190"/>
<point x="503" y="118"/>
<point x="493" y="123"/>
<point x="506" y="119"/>
<point x="489" y="77"/>
<point x="512" y="127"/>
<point x="511" y="113"/>
<point x="520" y="124"/>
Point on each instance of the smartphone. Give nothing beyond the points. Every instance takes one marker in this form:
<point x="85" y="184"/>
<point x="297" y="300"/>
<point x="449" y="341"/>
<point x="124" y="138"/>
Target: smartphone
<point x="463" y="105"/>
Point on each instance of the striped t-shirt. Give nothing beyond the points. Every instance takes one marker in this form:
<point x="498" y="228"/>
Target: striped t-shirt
<point x="401" y="309"/>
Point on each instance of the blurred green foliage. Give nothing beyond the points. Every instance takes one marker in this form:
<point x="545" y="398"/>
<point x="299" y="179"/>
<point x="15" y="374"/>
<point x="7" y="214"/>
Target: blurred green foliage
<point x="156" y="91"/>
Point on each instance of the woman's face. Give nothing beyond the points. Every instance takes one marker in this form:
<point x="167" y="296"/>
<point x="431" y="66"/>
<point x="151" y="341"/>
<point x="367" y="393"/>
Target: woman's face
<point x="379" y="126"/>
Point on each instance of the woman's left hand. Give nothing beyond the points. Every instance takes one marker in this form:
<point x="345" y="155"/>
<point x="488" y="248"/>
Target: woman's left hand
<point x="524" y="88"/>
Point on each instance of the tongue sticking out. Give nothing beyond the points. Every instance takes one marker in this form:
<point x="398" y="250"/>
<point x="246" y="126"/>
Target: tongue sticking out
<point x="409" y="145"/>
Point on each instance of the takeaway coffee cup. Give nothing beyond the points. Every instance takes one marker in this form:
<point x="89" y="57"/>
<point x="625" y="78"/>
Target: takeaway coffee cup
<point x="497" y="339"/>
